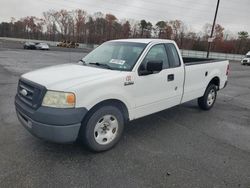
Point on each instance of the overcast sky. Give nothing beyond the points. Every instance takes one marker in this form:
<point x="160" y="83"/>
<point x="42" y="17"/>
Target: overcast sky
<point x="234" y="15"/>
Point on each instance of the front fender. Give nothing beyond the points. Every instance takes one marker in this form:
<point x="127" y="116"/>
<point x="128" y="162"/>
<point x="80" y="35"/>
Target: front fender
<point x="89" y="98"/>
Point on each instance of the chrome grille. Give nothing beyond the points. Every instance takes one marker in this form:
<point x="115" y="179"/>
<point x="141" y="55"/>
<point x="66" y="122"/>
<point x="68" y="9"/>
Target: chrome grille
<point x="30" y="93"/>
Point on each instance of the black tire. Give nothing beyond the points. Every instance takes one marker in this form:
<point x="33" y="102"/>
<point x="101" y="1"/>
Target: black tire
<point x="88" y="135"/>
<point x="204" y="102"/>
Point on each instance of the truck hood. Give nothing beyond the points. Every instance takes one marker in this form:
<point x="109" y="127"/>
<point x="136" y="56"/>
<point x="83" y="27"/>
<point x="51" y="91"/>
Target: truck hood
<point x="61" y="77"/>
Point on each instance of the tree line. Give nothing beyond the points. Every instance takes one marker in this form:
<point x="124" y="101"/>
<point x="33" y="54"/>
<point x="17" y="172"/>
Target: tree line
<point x="79" y="26"/>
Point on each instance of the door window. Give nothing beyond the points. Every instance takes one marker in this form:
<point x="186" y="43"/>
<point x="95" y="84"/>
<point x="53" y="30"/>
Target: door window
<point x="156" y="53"/>
<point x="173" y="56"/>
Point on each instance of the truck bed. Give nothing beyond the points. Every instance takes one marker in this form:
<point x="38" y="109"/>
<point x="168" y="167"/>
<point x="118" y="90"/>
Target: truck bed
<point x="194" y="61"/>
<point x="198" y="76"/>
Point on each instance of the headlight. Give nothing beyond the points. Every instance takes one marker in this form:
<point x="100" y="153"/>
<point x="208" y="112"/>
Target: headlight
<point x="59" y="99"/>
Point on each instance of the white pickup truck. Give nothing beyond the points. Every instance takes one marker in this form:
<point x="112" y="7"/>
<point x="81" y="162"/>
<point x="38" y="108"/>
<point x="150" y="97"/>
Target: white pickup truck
<point x="119" y="81"/>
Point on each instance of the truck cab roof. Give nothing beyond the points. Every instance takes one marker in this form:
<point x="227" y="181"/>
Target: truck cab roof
<point x="145" y="41"/>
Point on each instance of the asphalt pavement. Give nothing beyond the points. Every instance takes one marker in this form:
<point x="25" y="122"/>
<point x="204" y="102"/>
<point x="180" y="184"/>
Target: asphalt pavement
<point x="179" y="147"/>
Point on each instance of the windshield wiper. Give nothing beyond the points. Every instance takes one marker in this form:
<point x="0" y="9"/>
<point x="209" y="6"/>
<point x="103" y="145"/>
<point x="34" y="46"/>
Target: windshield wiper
<point x="101" y="65"/>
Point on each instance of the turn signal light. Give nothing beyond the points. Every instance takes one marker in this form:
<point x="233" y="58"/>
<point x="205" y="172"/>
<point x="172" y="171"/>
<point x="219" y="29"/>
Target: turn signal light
<point x="71" y="98"/>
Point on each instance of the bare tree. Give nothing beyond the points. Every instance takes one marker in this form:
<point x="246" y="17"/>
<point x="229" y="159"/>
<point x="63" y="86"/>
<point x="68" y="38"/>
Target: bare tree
<point x="126" y="29"/>
<point x="242" y="38"/>
<point x="80" y="24"/>
<point x="77" y="25"/>
<point x="110" y="20"/>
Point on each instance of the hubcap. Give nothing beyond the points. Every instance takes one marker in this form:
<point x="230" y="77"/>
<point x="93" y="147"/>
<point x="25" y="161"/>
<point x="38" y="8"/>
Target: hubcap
<point x="211" y="97"/>
<point x="106" y="129"/>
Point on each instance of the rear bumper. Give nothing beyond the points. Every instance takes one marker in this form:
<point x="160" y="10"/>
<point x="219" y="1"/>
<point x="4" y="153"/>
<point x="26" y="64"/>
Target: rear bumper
<point x="225" y="85"/>
<point x="51" y="124"/>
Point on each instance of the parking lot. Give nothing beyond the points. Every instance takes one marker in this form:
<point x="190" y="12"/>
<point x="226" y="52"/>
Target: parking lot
<point x="179" y="147"/>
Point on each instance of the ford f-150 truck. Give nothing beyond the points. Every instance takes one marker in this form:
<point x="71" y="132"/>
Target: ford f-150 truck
<point x="119" y="81"/>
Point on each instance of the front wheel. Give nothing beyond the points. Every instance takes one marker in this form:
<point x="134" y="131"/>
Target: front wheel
<point x="103" y="128"/>
<point x="207" y="101"/>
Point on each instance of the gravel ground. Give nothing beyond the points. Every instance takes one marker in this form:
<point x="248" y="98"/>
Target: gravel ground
<point x="179" y="147"/>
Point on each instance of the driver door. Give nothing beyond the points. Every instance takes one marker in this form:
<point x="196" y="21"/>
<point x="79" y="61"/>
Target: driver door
<point x="153" y="92"/>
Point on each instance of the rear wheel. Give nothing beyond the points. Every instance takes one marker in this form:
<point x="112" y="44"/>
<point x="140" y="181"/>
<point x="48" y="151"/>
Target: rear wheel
<point x="207" y="101"/>
<point x="102" y="129"/>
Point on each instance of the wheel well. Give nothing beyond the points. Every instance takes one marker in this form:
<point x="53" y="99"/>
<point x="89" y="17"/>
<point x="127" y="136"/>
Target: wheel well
<point x="215" y="81"/>
<point x="114" y="102"/>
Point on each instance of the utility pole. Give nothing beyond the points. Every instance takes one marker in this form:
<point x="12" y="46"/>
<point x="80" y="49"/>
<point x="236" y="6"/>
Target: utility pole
<point x="212" y="31"/>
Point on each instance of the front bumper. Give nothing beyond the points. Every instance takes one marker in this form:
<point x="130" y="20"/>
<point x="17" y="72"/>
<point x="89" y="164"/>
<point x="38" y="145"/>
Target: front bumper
<point x="51" y="124"/>
<point x="245" y="63"/>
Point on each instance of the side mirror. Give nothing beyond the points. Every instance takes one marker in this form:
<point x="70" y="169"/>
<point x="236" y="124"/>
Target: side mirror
<point x="154" y="66"/>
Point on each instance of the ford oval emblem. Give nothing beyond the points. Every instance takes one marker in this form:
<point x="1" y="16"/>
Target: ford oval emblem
<point x="24" y="92"/>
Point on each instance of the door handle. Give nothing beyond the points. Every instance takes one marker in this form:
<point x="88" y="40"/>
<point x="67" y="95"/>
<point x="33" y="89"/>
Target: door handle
<point x="170" y="77"/>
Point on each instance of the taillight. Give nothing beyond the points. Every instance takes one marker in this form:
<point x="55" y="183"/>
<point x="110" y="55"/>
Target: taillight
<point x="227" y="70"/>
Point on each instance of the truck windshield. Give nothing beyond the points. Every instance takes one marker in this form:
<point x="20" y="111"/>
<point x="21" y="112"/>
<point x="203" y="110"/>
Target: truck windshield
<point x="115" y="55"/>
<point x="247" y="56"/>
